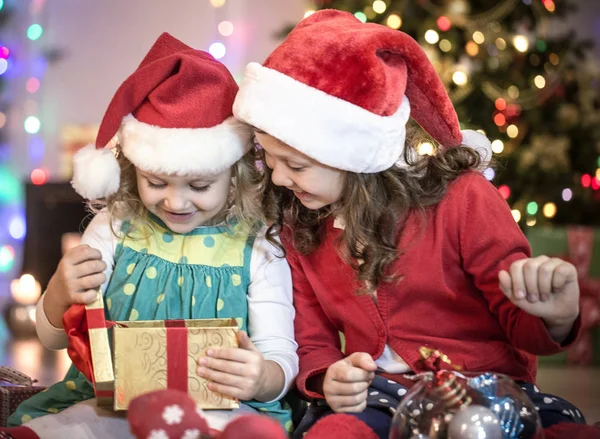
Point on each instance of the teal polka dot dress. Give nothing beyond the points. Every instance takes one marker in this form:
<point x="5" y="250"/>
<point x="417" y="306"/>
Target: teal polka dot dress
<point x="162" y="275"/>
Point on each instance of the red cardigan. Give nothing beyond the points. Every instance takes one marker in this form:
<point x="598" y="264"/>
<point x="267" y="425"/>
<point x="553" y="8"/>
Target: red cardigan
<point x="448" y="298"/>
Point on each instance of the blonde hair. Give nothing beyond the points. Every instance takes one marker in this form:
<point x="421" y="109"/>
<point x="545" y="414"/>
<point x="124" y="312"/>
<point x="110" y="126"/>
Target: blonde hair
<point x="243" y="202"/>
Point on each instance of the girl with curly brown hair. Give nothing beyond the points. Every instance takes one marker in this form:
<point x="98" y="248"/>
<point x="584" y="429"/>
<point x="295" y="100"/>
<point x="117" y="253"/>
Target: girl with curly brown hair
<point x="393" y="250"/>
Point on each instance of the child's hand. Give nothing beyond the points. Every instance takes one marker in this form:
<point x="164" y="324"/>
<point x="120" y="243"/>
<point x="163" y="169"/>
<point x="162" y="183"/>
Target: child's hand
<point x="237" y="373"/>
<point x="347" y="381"/>
<point x="77" y="278"/>
<point x="544" y="287"/>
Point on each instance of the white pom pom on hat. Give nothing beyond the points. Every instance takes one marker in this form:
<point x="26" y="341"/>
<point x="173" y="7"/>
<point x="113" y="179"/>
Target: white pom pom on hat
<point x="96" y="172"/>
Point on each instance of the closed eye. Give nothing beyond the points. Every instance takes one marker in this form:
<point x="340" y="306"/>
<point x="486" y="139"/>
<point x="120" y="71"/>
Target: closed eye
<point x="156" y="185"/>
<point x="200" y="188"/>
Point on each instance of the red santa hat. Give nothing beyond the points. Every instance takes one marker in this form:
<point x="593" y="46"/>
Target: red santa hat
<point x="341" y="92"/>
<point x="173" y="115"/>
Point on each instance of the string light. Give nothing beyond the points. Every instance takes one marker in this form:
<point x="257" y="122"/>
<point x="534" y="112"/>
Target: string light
<point x="32" y="124"/>
<point x="445" y="45"/>
<point x="443" y="23"/>
<point x="34" y="32"/>
<point x="504" y="191"/>
<point x="38" y="177"/>
<point x="7" y="257"/>
<point x="554" y="59"/>
<point x="500" y="120"/>
<point x="17" y="228"/>
<point x="425" y="148"/>
<point x="361" y="16"/>
<point x="379" y="6"/>
<point x="225" y="28"/>
<point x="550" y="6"/>
<point x="308" y="13"/>
<point x="549" y="210"/>
<point x="516" y="215"/>
<point x="500" y="104"/>
<point x="472" y="48"/>
<point x="394" y="21"/>
<point x="4" y="52"/>
<point x="595" y="183"/>
<point x="539" y="81"/>
<point x="489" y="174"/>
<point x="598" y="173"/>
<point x="497" y="146"/>
<point x="541" y="45"/>
<point x="460" y="78"/>
<point x="531" y="221"/>
<point x="567" y="194"/>
<point x="217" y="50"/>
<point x="532" y="208"/>
<point x="521" y="43"/>
<point x="500" y="43"/>
<point x="478" y="37"/>
<point x="432" y="36"/>
<point x="512" y="131"/>
<point x="513" y="92"/>
<point x="32" y="85"/>
<point x="3" y="66"/>
<point x="586" y="180"/>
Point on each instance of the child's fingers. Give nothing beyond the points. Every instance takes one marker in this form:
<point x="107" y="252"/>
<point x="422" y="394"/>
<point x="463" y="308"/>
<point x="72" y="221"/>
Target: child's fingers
<point x="219" y="377"/>
<point x="351" y="404"/>
<point x="230" y="367"/>
<point x="545" y="276"/>
<point x="355" y="388"/>
<point x="505" y="282"/>
<point x="82" y="253"/>
<point x="89" y="267"/>
<point x="530" y="279"/>
<point x="230" y="354"/>
<point x="90" y="282"/>
<point x="563" y="274"/>
<point x="351" y="375"/>
<point x="517" y="280"/>
<point x="85" y="297"/>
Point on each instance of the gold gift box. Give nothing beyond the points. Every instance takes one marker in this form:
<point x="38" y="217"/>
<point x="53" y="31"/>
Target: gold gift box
<point x="156" y="354"/>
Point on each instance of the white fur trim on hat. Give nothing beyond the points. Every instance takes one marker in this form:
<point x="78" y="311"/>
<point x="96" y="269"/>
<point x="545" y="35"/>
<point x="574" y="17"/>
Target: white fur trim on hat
<point x="184" y="151"/>
<point x="96" y="172"/>
<point x="479" y="142"/>
<point x="330" y="130"/>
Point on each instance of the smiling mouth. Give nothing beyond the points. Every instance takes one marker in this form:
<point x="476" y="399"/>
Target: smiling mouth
<point x="179" y="217"/>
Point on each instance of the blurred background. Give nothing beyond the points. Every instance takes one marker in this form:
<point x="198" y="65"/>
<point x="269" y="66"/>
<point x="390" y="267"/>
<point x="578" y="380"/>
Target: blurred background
<point x="526" y="72"/>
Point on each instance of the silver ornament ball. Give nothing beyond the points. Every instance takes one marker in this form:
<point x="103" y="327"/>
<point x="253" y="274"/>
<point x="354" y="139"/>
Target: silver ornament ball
<point x="474" y="422"/>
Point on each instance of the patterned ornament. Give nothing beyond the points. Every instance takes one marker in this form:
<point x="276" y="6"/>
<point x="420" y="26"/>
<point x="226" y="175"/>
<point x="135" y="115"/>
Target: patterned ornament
<point x="446" y="403"/>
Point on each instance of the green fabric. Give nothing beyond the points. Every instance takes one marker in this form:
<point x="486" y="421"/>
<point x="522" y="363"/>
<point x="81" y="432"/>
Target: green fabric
<point x="160" y="275"/>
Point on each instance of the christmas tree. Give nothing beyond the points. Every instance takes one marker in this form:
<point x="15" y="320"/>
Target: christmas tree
<point x="534" y="95"/>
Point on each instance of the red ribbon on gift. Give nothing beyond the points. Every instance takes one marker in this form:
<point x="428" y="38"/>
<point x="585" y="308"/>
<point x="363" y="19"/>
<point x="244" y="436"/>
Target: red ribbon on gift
<point x="78" y="320"/>
<point x="177" y="347"/>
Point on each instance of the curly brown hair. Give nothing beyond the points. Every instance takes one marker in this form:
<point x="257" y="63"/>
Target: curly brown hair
<point x="372" y="232"/>
<point x="243" y="203"/>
